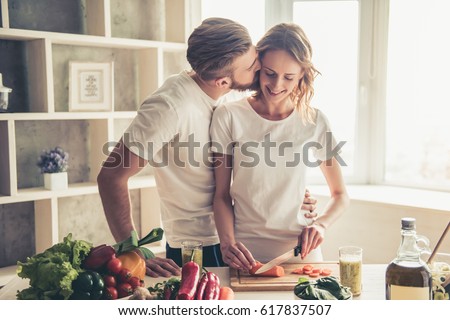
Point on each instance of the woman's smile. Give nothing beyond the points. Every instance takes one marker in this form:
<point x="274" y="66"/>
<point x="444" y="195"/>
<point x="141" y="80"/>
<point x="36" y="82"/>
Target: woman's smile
<point x="273" y="92"/>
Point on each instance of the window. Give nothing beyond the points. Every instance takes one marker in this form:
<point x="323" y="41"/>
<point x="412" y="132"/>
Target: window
<point x="417" y="101"/>
<point x="335" y="55"/>
<point x="250" y="13"/>
<point x="384" y="80"/>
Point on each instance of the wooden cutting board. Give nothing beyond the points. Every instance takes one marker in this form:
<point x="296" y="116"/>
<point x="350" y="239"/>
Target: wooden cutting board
<point x="242" y="281"/>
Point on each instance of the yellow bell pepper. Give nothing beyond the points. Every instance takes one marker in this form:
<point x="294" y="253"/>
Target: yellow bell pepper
<point x="133" y="262"/>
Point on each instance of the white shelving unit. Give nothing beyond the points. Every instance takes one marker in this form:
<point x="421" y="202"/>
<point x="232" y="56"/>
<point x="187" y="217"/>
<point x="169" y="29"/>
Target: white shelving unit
<point x="107" y="30"/>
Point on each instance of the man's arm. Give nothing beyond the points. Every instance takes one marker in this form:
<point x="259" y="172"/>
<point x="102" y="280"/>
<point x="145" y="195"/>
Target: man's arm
<point x="113" y="187"/>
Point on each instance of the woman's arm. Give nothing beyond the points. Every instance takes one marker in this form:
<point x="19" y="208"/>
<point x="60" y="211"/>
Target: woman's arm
<point x="312" y="236"/>
<point x="235" y="254"/>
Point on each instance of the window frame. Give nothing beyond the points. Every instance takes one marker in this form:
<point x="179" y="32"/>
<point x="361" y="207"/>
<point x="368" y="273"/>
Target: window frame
<point x="370" y="124"/>
<point x="371" y="97"/>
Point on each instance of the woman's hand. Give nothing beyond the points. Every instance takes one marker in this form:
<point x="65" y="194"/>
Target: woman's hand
<point x="237" y="256"/>
<point x="309" y="204"/>
<point x="310" y="238"/>
<point x="161" y="267"/>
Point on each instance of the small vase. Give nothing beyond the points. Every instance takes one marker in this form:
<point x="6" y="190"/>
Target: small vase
<point x="56" y="181"/>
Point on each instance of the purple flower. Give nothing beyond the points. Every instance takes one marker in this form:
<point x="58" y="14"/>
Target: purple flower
<point x="52" y="161"/>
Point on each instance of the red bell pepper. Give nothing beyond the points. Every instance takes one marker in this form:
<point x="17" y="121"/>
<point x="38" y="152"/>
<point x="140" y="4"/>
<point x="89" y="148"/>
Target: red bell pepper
<point x="201" y="287"/>
<point x="189" y="281"/>
<point x="98" y="257"/>
<point x="212" y="287"/>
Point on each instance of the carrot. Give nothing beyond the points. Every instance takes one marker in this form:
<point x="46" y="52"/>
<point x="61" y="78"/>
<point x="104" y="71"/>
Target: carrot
<point x="307" y="267"/>
<point x="326" y="272"/>
<point x="298" y="271"/>
<point x="307" y="271"/>
<point x="277" y="271"/>
<point x="226" y="293"/>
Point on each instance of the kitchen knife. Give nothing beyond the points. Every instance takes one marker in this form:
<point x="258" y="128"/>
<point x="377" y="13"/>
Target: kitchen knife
<point x="280" y="259"/>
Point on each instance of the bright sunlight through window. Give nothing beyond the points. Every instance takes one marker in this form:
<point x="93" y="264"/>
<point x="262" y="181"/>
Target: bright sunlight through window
<point x="335" y="55"/>
<point x="250" y="13"/>
<point x="418" y="107"/>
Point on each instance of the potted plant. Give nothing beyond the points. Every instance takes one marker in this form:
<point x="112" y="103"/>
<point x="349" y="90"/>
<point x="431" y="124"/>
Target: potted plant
<point x="53" y="165"/>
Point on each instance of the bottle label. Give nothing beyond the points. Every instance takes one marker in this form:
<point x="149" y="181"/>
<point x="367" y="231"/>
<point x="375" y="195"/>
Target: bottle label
<point x="409" y="293"/>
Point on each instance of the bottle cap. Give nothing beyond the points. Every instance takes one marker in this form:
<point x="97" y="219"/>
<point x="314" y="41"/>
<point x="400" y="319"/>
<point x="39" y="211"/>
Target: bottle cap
<point x="408" y="223"/>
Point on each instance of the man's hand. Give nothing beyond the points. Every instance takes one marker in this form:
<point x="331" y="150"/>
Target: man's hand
<point x="161" y="267"/>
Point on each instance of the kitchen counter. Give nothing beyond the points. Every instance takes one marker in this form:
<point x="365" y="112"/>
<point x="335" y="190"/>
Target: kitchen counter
<point x="373" y="279"/>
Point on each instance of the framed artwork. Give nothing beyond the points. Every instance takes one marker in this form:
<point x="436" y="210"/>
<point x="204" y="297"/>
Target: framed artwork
<point x="91" y="86"/>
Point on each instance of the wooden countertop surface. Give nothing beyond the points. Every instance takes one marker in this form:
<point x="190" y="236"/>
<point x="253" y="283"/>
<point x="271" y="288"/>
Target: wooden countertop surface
<point x="373" y="282"/>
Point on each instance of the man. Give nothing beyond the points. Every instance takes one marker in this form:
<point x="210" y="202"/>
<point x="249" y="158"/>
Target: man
<point x="171" y="131"/>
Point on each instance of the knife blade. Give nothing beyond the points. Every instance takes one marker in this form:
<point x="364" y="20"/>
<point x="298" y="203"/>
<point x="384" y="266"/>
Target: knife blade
<point x="280" y="259"/>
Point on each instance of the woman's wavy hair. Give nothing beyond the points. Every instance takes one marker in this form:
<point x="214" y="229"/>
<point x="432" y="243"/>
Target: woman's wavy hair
<point x="292" y="39"/>
<point x="214" y="45"/>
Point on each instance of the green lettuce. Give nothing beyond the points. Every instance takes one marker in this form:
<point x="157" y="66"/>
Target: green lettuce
<point x="51" y="272"/>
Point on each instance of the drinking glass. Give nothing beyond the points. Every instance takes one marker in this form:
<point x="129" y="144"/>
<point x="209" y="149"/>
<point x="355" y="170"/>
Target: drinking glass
<point x="192" y="250"/>
<point x="350" y="268"/>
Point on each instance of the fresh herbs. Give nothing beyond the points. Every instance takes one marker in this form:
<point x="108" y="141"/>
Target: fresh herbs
<point x="326" y="288"/>
<point x="166" y="290"/>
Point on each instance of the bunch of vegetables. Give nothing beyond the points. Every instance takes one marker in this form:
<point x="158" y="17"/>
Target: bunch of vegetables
<point x="190" y="287"/>
<point x="326" y="288"/>
<point x="74" y="269"/>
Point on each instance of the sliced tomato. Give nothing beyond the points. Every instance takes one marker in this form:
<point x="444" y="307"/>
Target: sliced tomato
<point x="314" y="274"/>
<point x="316" y="270"/>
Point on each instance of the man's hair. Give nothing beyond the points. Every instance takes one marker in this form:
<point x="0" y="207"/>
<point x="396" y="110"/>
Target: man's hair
<point x="214" y="45"/>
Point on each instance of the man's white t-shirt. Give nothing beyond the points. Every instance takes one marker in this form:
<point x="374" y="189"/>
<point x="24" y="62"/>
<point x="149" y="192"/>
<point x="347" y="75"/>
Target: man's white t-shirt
<point x="171" y="130"/>
<point x="268" y="182"/>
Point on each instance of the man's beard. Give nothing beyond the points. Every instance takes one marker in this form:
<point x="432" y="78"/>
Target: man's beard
<point x="240" y="86"/>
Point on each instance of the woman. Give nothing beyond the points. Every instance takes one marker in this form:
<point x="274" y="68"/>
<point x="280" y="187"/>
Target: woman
<point x="261" y="148"/>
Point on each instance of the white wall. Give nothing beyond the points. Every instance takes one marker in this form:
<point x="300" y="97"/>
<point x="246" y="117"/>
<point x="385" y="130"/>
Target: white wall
<point x="376" y="228"/>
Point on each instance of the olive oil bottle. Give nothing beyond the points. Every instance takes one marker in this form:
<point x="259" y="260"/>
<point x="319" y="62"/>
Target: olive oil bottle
<point x="408" y="276"/>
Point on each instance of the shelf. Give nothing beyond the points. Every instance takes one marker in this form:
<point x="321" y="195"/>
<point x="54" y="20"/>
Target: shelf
<point x="146" y="41"/>
<point x="124" y="114"/>
<point x="13" y="66"/>
<point x="31" y="116"/>
<point x="137" y="73"/>
<point x="67" y="16"/>
<point x="23" y="116"/>
<point x="75" y="189"/>
<point x="88" y="40"/>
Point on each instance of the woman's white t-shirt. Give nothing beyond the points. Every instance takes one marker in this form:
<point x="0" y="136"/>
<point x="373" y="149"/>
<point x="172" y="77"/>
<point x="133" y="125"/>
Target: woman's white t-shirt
<point x="268" y="182"/>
